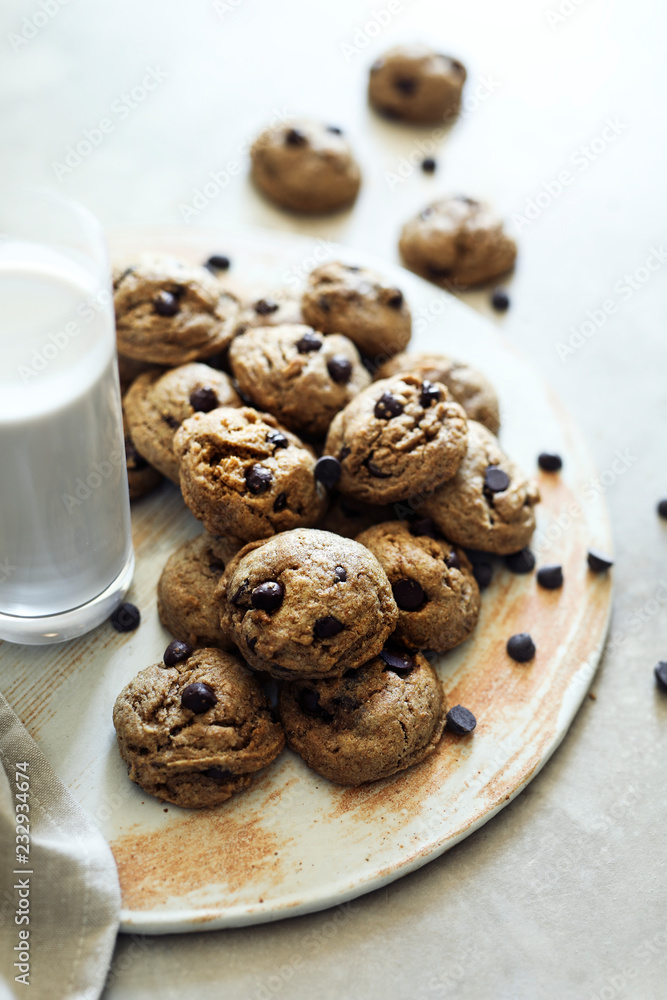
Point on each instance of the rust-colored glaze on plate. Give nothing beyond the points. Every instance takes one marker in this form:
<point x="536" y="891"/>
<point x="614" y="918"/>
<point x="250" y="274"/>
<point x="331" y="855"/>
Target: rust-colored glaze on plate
<point x="295" y="843"/>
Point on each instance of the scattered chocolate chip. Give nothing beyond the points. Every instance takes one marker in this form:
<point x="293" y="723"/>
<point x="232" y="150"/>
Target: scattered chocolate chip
<point x="376" y="471"/>
<point x="388" y="406"/>
<point x="399" y="663"/>
<point x="453" y="561"/>
<point x="429" y="165"/>
<point x="460" y="720"/>
<point x="204" y="400"/>
<point x="277" y="439"/>
<point x="126" y="617"/>
<point x="216" y="566"/>
<point x="406" y="84"/>
<point x="521" y="562"/>
<point x="264" y="307"/>
<point x="598" y="562"/>
<point x="258" y="478"/>
<point x="408" y="594"/>
<point x="295" y="137"/>
<point x="327" y="628"/>
<point x="218" y="262"/>
<point x="166" y="304"/>
<point x="340" y="368"/>
<point x="550" y="577"/>
<point x="280" y="503"/>
<point x="430" y="394"/>
<point x="198" y="697"/>
<point x="334" y="129"/>
<point x="500" y="300"/>
<point x="396" y="300"/>
<point x="268" y="596"/>
<point x="340" y="575"/>
<point x="521" y="647"/>
<point x="549" y="461"/>
<point x="176" y="652"/>
<point x="495" y="479"/>
<point x="309" y="342"/>
<point x="660" y="672"/>
<point x="327" y="471"/>
<point x="483" y="573"/>
<point x="251" y="642"/>
<point x="218" y="774"/>
<point x="662" y="508"/>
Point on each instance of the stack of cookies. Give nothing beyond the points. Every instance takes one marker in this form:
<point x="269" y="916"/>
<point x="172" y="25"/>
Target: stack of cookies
<point x="340" y="481"/>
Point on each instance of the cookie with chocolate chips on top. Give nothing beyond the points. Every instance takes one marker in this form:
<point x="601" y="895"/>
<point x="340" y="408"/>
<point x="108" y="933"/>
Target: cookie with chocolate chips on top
<point x="416" y="84"/>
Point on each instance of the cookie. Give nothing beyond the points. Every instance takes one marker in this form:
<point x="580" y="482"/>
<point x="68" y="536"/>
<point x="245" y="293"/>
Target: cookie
<point x="307" y="604"/>
<point x="169" y="312"/>
<point x="457" y="240"/>
<point x="396" y="438"/>
<point x="129" y="369"/>
<point x="359" y="303"/>
<point x="195" y="733"/>
<point x="186" y="600"/>
<point x="302" y="377"/>
<point x="489" y="503"/>
<point x="348" y="517"/>
<point x="305" y="166"/>
<point x="432" y="582"/>
<point x="416" y="84"/>
<point x="271" y="309"/>
<point x="368" y="724"/>
<point x="244" y="475"/>
<point x="158" y="402"/>
<point x="142" y="478"/>
<point x="466" y="384"/>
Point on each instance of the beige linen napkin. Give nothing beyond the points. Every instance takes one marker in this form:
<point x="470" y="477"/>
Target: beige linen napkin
<point x="67" y="887"/>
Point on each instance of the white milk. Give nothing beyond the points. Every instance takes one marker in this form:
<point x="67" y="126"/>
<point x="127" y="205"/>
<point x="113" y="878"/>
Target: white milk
<point x="64" y="506"/>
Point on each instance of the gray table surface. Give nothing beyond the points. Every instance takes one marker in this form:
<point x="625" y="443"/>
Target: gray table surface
<point x="563" y="894"/>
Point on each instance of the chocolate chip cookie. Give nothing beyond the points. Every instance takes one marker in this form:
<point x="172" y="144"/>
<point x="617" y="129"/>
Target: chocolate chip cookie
<point x="302" y="377"/>
<point x="466" y="384"/>
<point x="158" y="402"/>
<point x="307" y="604"/>
<point x="169" y="312"/>
<point x="186" y="600"/>
<point x="244" y="475"/>
<point x="397" y="438"/>
<point x="370" y="723"/>
<point x="361" y="304"/>
<point x="306" y="166"/>
<point x="432" y="582"/>
<point x="489" y="503"/>
<point x="416" y="84"/>
<point x="195" y="733"/>
<point x="457" y="240"/>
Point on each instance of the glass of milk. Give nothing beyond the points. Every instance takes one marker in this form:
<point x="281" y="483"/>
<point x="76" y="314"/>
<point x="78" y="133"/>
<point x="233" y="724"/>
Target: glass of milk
<point x="66" y="557"/>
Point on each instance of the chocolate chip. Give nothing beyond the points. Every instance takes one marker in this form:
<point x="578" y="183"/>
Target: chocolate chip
<point x="198" y="697"/>
<point x="126" y="617"/>
<point x="406" y="84"/>
<point x="662" y="508"/>
<point x="264" y="307"/>
<point x="483" y="573"/>
<point x="387" y="407"/>
<point x="240" y="594"/>
<point x="500" y="300"/>
<point x="453" y="561"/>
<point x="280" y="503"/>
<point x="309" y="703"/>
<point x="408" y="594"/>
<point x="549" y="461"/>
<point x="376" y="471"/>
<point x="340" y="368"/>
<point x="327" y="628"/>
<point x="495" y="479"/>
<point x="277" y="439"/>
<point x="171" y="421"/>
<point x="430" y="394"/>
<point x="166" y="304"/>
<point x="295" y="137"/>
<point x="521" y="647"/>
<point x="429" y="165"/>
<point x="423" y="526"/>
<point x="340" y="575"/>
<point x="309" y="342"/>
<point x="218" y="774"/>
<point x="218" y="262"/>
<point x="521" y="562"/>
<point x="258" y="478"/>
<point x="327" y="471"/>
<point x="460" y="720"/>
<point x="399" y="663"/>
<point x="396" y="300"/>
<point x="334" y="129"/>
<point x="176" y="652"/>
<point x="660" y="672"/>
<point x="550" y="577"/>
<point x="598" y="562"/>
<point x="268" y="596"/>
<point x="216" y="566"/>
<point x="323" y="304"/>
<point x="204" y="400"/>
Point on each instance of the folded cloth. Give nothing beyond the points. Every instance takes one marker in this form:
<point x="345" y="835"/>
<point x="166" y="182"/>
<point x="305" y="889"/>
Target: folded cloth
<point x="59" y="892"/>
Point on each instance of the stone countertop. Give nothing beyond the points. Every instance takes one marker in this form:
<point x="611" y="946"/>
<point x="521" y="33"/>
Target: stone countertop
<point x="563" y="894"/>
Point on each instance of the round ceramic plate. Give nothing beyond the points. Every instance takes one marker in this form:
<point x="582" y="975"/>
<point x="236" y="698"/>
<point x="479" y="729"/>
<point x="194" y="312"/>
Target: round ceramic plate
<point x="295" y="843"/>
